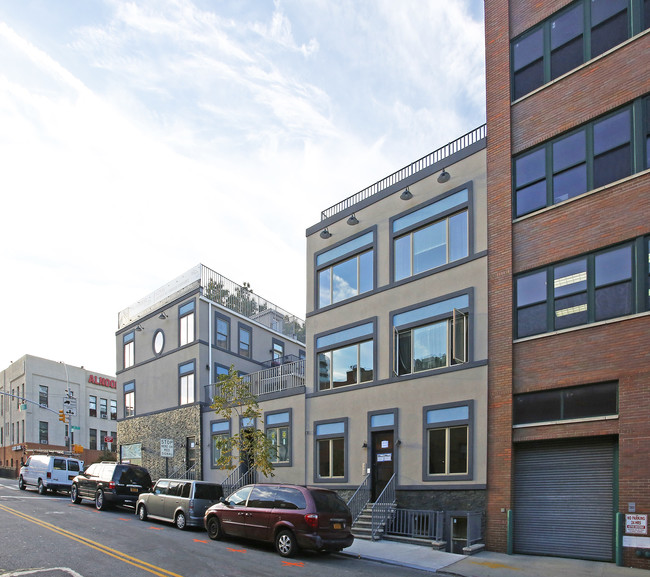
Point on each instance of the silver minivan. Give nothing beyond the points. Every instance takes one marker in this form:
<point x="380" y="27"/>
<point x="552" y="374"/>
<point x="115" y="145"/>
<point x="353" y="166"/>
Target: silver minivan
<point x="181" y="501"/>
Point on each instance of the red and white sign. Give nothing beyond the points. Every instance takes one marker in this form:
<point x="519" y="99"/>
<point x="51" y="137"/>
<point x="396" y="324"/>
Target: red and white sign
<point x="108" y="439"/>
<point x="104" y="382"/>
<point x="636" y="524"/>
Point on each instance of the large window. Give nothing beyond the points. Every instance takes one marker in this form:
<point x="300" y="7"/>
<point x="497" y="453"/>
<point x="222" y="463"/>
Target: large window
<point x="113" y="410"/>
<point x="432" y="236"/>
<point x="245" y="341"/>
<point x="129" y="399"/>
<point x="186" y="323"/>
<point x="591" y="288"/>
<point x="219" y="432"/>
<point x="92" y="438"/>
<point x="103" y="408"/>
<point x="346" y="270"/>
<point x="222" y="326"/>
<point x="278" y="429"/>
<point x="129" y="349"/>
<point x="186" y="379"/>
<point x="43" y="432"/>
<point x="92" y="405"/>
<point x="448" y="441"/>
<point x="346" y="357"/>
<point x="431" y="336"/>
<point x="572" y="36"/>
<point x="43" y="396"/>
<point x="330" y="441"/>
<point x="594" y="155"/>
<point x="277" y="352"/>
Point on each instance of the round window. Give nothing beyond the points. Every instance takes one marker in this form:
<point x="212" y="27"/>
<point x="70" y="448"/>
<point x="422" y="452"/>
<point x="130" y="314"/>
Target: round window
<point x="158" y="342"/>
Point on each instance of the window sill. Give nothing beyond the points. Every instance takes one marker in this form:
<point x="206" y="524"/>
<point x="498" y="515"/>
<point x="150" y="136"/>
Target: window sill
<point x="566" y="422"/>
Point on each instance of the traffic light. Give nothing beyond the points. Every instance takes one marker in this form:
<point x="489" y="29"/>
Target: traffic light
<point x="61" y="415"/>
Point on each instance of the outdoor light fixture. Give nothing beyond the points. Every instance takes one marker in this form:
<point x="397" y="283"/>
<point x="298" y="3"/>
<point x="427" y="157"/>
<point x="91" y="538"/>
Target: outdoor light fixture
<point x="406" y="195"/>
<point x="443" y="177"/>
<point x="353" y="220"/>
<point x="139" y="328"/>
<point x="162" y="316"/>
<point x="325" y="233"/>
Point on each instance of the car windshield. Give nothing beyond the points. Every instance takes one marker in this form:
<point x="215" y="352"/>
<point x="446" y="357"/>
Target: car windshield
<point x="329" y="502"/>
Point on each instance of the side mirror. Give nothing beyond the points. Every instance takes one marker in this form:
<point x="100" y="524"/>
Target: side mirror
<point x="224" y="501"/>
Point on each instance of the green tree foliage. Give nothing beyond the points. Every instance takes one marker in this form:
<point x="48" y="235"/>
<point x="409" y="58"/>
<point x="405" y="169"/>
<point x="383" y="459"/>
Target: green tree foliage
<point x="250" y="446"/>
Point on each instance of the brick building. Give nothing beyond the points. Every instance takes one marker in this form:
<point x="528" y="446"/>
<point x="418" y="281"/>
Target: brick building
<point x="568" y="118"/>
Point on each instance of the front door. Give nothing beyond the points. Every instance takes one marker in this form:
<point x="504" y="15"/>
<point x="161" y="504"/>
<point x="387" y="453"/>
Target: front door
<point x="382" y="461"/>
<point x="190" y="449"/>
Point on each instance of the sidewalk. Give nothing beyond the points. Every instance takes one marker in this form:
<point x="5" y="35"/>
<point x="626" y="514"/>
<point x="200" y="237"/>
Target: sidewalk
<point x="483" y="564"/>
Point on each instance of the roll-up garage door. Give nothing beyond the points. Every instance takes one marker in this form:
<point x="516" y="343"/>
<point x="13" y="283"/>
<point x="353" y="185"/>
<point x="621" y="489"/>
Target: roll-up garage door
<point x="564" y="498"/>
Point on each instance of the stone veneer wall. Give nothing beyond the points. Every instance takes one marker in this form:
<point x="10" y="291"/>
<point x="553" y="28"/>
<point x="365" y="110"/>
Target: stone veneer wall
<point x="176" y="424"/>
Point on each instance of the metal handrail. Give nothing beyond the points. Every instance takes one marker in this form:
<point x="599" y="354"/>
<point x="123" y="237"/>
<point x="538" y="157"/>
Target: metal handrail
<point x="189" y="474"/>
<point x="236" y="480"/>
<point x="426" y="161"/>
<point x="417" y="523"/>
<point x="360" y="498"/>
<point x="383" y="508"/>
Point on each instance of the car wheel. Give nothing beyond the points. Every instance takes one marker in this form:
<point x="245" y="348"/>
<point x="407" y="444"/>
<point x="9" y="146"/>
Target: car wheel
<point x="74" y="495"/>
<point x="42" y="489"/>
<point x="180" y="520"/>
<point x="213" y="527"/>
<point x="21" y="483"/>
<point x="285" y="544"/>
<point x="100" y="501"/>
<point x="142" y="513"/>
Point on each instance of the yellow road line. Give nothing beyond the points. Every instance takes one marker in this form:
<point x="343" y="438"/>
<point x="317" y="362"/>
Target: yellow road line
<point x="93" y="545"/>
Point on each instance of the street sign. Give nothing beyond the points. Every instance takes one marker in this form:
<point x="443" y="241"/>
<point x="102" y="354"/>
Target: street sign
<point x="108" y="439"/>
<point x="75" y="428"/>
<point x="166" y="447"/>
<point x="70" y="406"/>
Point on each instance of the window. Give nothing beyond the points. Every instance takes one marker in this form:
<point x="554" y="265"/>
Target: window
<point x="43" y="433"/>
<point x="583" y="402"/>
<point x="245" y="341"/>
<point x="92" y="405"/>
<point x="103" y="408"/>
<point x="113" y="410"/>
<point x="571" y="37"/>
<point x="129" y="349"/>
<point x="102" y="440"/>
<point x="330" y="441"/>
<point x="346" y="357"/>
<point x="448" y="441"/>
<point x="219" y="430"/>
<point x="346" y="270"/>
<point x="186" y="378"/>
<point x="584" y="290"/>
<point x="431" y="236"/>
<point x="129" y="399"/>
<point x="186" y="321"/>
<point x="92" y="439"/>
<point x="222" y="330"/>
<point x="114" y="435"/>
<point x="587" y="158"/>
<point x="278" y="427"/>
<point x="431" y="336"/>
<point x="277" y="353"/>
<point x="43" y="396"/>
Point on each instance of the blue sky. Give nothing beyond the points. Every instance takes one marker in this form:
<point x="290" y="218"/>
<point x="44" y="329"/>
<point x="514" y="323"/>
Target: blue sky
<point x="141" y="138"/>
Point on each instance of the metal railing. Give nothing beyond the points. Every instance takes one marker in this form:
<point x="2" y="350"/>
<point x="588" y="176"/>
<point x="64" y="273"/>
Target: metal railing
<point x="383" y="508"/>
<point x="360" y="498"/>
<point x="426" y="161"/>
<point x="182" y="473"/>
<point x="421" y="524"/>
<point x="273" y="380"/>
<point x="237" y="479"/>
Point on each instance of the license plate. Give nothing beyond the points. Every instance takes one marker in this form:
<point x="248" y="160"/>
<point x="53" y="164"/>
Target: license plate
<point x="134" y="489"/>
<point x="337" y="525"/>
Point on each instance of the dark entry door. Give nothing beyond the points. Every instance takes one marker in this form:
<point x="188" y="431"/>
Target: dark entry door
<point x="382" y="461"/>
<point x="190" y="448"/>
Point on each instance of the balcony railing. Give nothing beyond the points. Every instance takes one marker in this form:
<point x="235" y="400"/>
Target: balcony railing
<point x="273" y="380"/>
<point x="437" y="156"/>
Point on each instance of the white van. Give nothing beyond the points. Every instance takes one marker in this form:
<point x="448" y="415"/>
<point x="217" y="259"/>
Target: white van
<point x="53" y="472"/>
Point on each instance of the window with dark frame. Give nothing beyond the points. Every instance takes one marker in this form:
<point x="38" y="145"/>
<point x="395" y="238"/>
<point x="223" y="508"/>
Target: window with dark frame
<point x="43" y="395"/>
<point x="43" y="433"/>
<point x="186" y="323"/>
<point x="245" y="337"/>
<point x="129" y="349"/>
<point x="129" y="399"/>
<point x="92" y="437"/>
<point x="113" y="410"/>
<point x="278" y="427"/>
<point x="92" y="405"/>
<point x="223" y="331"/>
<point x="103" y="408"/>
<point x="330" y="450"/>
<point x="447" y="432"/>
<point x="186" y="383"/>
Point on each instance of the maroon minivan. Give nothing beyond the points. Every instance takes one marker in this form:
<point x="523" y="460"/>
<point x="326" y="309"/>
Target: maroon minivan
<point x="290" y="516"/>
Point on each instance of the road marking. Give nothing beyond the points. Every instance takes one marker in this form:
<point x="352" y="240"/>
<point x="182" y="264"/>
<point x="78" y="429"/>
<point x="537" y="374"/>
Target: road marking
<point x="236" y="550"/>
<point x="156" y="528"/>
<point x="33" y="571"/>
<point x="93" y="545"/>
<point x="123" y="519"/>
<point x="289" y="564"/>
<point x="200" y="541"/>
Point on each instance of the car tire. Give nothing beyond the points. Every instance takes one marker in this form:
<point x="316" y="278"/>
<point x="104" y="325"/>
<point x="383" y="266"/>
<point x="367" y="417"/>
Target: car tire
<point x="42" y="489"/>
<point x="74" y="494"/>
<point x="180" y="521"/>
<point x="142" y="513"/>
<point x="100" y="500"/>
<point x="213" y="526"/>
<point x="21" y="483"/>
<point x="285" y="543"/>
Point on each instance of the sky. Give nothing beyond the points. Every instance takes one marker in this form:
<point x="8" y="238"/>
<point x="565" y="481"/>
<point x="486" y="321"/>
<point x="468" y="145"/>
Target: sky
<point x="139" y="139"/>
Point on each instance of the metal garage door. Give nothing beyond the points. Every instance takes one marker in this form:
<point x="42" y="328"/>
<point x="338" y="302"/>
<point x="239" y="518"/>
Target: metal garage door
<point x="564" y="499"/>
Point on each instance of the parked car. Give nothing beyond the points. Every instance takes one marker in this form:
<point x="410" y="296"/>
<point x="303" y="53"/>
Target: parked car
<point x="290" y="516"/>
<point x="53" y="472"/>
<point x="180" y="501"/>
<point x="110" y="483"/>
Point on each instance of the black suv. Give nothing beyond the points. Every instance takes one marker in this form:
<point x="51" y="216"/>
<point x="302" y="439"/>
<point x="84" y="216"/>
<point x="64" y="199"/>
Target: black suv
<point x="110" y="483"/>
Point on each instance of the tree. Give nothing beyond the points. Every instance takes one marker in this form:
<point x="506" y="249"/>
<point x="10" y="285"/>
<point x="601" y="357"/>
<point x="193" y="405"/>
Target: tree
<point x="235" y="401"/>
